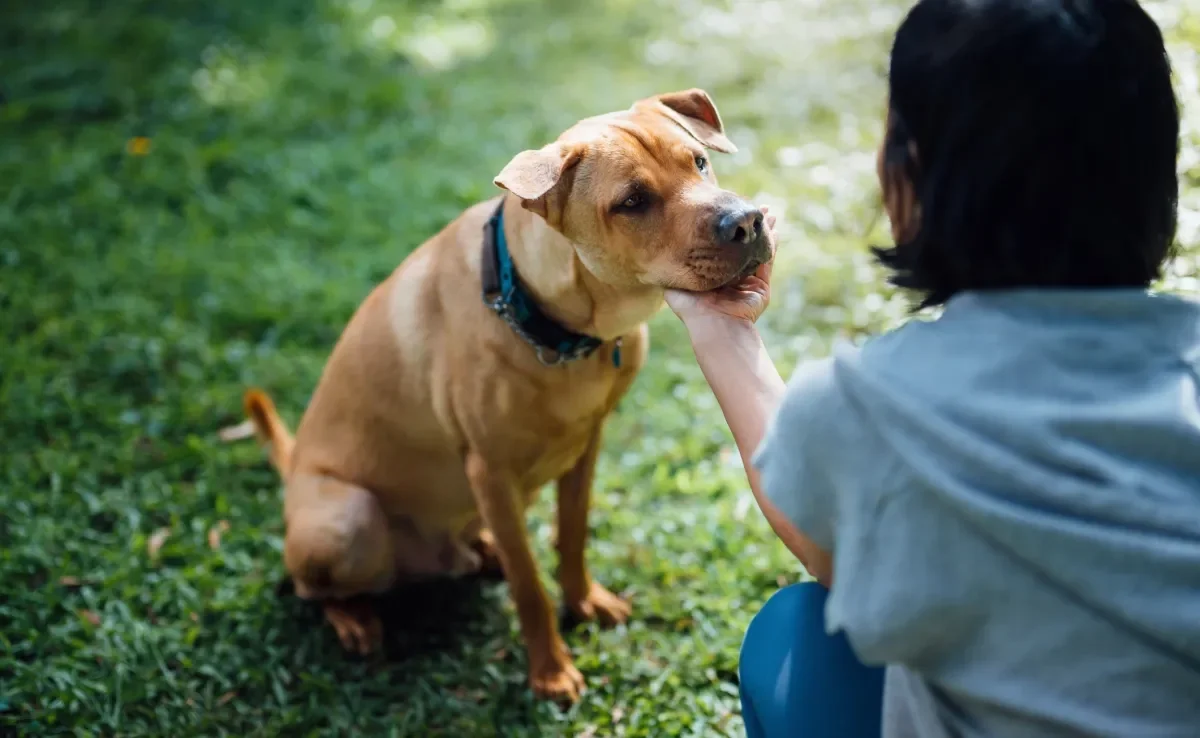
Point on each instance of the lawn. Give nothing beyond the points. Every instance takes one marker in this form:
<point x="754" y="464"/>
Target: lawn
<point x="195" y="196"/>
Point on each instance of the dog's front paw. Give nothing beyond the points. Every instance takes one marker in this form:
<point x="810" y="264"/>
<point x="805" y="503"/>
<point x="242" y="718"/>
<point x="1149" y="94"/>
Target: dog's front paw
<point x="557" y="680"/>
<point x="600" y="605"/>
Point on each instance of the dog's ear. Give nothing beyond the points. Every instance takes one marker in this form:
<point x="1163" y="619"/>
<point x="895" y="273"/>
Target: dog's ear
<point x="533" y="175"/>
<point x="695" y="111"/>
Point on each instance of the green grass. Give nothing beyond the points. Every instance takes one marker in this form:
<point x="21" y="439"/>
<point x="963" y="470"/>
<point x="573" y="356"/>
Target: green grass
<point x="299" y="149"/>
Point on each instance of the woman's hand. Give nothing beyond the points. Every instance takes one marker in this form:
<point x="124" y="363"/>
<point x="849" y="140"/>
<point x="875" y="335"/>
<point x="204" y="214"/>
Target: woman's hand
<point x="744" y="301"/>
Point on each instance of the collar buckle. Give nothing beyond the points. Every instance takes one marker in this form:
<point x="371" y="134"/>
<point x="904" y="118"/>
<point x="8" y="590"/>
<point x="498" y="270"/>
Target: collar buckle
<point x="546" y="356"/>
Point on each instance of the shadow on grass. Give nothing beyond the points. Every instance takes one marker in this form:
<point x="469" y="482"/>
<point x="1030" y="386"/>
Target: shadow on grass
<point x="438" y="615"/>
<point x="423" y="618"/>
<point x="446" y="642"/>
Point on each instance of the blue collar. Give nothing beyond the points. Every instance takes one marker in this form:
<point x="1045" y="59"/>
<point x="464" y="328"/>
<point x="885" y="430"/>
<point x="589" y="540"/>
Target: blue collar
<point x="508" y="298"/>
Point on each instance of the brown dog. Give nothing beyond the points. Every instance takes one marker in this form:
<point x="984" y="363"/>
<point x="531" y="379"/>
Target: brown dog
<point x="486" y="364"/>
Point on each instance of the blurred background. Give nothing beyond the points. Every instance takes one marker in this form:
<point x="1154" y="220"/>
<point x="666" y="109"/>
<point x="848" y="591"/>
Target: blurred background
<point x="194" y="197"/>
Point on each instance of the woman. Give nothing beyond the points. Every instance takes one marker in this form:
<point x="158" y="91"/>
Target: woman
<point x="1004" y="502"/>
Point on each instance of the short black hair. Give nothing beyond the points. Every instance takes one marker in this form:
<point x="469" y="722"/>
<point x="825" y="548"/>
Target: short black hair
<point x="1046" y="136"/>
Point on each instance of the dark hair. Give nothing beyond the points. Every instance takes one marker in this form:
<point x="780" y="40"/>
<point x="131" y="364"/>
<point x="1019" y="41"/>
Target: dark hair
<point x="1046" y="136"/>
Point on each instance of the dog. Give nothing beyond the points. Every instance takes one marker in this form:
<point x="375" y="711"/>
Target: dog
<point x="485" y="366"/>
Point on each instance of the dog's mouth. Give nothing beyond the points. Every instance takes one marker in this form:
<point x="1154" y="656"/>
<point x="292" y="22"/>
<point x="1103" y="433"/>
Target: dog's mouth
<point x="746" y="271"/>
<point x="751" y="267"/>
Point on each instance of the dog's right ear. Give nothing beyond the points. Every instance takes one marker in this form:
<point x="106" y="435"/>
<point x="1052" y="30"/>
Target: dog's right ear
<point x="533" y="175"/>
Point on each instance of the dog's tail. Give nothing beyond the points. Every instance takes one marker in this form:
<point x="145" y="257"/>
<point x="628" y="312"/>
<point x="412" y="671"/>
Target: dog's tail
<point x="270" y="429"/>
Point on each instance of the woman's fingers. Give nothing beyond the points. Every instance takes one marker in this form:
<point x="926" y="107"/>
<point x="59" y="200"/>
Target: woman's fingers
<point x="764" y="272"/>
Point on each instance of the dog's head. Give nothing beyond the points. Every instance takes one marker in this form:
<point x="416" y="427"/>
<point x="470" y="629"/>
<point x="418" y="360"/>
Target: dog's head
<point x="636" y="193"/>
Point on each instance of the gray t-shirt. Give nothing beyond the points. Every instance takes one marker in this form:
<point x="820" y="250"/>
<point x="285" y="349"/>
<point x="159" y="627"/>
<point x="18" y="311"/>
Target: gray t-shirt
<point x="1012" y="496"/>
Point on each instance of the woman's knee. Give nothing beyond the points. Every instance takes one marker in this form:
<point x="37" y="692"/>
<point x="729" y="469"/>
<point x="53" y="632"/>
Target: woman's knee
<point x="798" y="680"/>
<point x="785" y="618"/>
<point x="789" y="608"/>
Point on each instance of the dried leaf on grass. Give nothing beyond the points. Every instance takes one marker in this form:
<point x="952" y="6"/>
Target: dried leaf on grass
<point x="724" y="720"/>
<point x="90" y="616"/>
<point x="155" y="544"/>
<point x="239" y="432"/>
<point x="70" y="581"/>
<point x="215" y="532"/>
<point x="226" y="698"/>
<point x="138" y="146"/>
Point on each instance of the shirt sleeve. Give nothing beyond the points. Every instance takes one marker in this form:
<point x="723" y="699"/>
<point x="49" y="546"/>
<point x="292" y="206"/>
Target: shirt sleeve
<point x="794" y="458"/>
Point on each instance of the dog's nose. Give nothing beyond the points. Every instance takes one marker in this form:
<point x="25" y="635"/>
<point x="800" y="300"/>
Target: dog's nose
<point x="742" y="224"/>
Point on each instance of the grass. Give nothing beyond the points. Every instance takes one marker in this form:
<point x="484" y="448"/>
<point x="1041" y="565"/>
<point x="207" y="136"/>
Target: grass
<point x="294" y="152"/>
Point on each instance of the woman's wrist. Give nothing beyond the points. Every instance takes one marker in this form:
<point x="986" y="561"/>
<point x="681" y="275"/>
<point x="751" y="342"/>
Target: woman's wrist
<point x="716" y="332"/>
<point x="736" y="364"/>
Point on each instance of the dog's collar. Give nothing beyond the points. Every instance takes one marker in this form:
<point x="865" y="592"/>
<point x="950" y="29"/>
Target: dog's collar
<point x="508" y="298"/>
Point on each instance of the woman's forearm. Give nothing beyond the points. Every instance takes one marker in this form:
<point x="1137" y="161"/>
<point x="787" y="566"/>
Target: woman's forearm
<point x="747" y="385"/>
<point x="749" y="390"/>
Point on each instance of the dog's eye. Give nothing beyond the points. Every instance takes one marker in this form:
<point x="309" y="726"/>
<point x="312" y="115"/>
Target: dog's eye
<point x="637" y="200"/>
<point x="634" y="201"/>
<point x="702" y="164"/>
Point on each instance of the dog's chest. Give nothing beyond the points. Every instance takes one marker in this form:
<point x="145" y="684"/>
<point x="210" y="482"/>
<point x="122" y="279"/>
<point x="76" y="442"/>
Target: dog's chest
<point x="541" y="424"/>
<point x="553" y="460"/>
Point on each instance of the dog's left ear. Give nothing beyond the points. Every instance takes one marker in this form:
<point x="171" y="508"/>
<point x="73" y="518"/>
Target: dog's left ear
<point x="534" y="175"/>
<point x="695" y="111"/>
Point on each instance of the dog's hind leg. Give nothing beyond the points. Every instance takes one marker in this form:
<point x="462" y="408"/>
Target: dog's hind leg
<point x="481" y="541"/>
<point x="356" y="623"/>
<point x="337" y="548"/>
